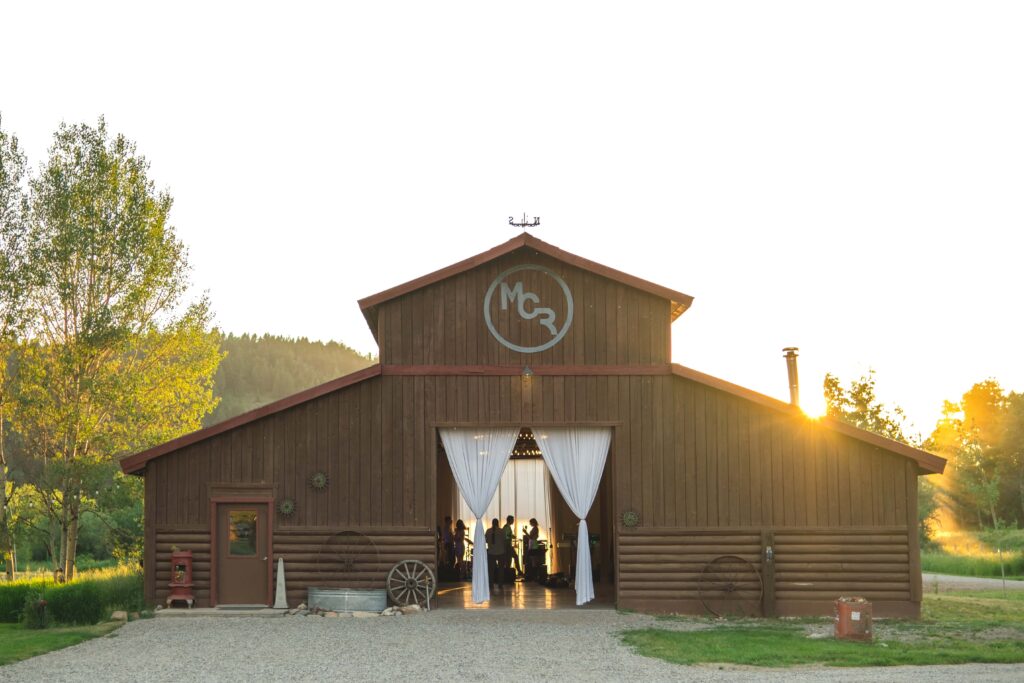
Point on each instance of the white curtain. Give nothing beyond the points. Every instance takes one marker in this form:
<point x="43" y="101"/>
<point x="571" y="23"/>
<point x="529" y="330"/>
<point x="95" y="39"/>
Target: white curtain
<point x="477" y="458"/>
<point x="576" y="457"/>
<point x="522" y="493"/>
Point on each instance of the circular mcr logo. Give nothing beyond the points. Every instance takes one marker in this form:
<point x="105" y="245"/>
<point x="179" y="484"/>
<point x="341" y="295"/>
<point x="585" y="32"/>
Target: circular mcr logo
<point x="531" y="304"/>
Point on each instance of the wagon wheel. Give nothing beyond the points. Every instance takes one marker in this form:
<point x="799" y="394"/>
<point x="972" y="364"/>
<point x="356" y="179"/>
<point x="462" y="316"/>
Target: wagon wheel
<point x="730" y="586"/>
<point x="345" y="558"/>
<point x="411" y="582"/>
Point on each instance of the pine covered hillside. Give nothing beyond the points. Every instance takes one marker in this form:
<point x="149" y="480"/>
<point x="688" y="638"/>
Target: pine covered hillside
<point x="258" y="370"/>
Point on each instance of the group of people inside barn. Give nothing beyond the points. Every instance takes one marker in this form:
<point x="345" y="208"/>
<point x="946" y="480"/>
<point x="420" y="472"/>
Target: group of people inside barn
<point x="508" y="559"/>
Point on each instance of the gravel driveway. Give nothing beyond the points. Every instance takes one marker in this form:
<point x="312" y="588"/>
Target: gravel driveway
<point x="443" y="645"/>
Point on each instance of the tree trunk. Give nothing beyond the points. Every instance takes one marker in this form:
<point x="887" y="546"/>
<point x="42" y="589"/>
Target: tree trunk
<point x="71" y="548"/>
<point x="52" y="543"/>
<point x="1020" y="485"/>
<point x="6" y="546"/>
<point x="62" y="559"/>
<point x="6" y="534"/>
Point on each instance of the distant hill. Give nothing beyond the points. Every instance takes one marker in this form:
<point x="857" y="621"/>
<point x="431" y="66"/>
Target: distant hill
<point x="259" y="370"/>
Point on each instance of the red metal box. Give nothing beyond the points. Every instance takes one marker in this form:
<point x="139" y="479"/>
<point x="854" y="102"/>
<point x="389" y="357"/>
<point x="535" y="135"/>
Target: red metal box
<point x="853" y="619"/>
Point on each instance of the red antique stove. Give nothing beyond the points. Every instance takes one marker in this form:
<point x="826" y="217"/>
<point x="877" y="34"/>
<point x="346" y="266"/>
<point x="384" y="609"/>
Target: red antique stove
<point x="181" y="577"/>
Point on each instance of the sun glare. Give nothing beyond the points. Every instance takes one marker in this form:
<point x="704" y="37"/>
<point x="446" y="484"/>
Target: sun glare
<point x="813" y="406"/>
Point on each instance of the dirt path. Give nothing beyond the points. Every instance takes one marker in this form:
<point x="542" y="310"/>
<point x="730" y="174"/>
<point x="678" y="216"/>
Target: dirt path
<point x="941" y="583"/>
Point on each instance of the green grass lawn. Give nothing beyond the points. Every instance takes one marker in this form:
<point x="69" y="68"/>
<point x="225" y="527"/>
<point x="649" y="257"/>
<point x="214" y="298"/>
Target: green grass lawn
<point x="955" y="628"/>
<point x="986" y="567"/>
<point x="17" y="642"/>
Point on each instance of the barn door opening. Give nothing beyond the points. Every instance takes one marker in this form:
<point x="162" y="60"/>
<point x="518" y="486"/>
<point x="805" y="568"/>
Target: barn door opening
<point x="243" y="554"/>
<point x="541" y="572"/>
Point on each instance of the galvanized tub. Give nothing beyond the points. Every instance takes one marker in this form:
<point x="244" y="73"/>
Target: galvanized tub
<point x="348" y="599"/>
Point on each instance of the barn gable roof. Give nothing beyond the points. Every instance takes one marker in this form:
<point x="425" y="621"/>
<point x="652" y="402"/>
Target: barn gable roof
<point x="134" y="464"/>
<point x="369" y="305"/>
<point x="928" y="463"/>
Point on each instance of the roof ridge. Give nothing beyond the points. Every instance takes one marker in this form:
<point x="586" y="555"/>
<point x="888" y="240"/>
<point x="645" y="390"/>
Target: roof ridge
<point x="680" y="301"/>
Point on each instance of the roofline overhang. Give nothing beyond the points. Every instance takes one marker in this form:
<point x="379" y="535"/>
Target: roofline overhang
<point x="927" y="463"/>
<point x="134" y="464"/>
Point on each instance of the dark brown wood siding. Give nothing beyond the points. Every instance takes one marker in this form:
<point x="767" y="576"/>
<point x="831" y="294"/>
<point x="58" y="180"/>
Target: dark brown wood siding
<point x="660" y="567"/>
<point x="311" y="557"/>
<point x="443" y="323"/>
<point x="691" y="459"/>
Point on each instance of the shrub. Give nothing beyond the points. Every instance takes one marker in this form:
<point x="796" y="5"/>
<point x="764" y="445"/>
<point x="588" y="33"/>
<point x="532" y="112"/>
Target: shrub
<point x="88" y="599"/>
<point x="964" y="565"/>
<point x="35" y="614"/>
<point x="12" y="598"/>
<point x="78" y="602"/>
<point x="122" y="591"/>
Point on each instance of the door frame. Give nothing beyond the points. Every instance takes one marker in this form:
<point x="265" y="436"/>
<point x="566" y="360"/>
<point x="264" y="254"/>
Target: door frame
<point x="215" y="558"/>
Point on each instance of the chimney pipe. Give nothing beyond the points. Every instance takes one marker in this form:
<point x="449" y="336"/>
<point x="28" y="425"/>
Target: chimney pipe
<point x="794" y="381"/>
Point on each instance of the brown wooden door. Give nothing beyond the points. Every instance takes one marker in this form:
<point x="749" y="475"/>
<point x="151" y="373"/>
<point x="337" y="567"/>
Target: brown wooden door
<point x="242" y="559"/>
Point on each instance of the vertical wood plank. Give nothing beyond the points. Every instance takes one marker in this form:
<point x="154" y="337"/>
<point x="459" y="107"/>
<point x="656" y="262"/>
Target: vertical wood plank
<point x="392" y="455"/>
<point x="832" y="479"/>
<point x="690" y="427"/>
<point x="621" y="327"/>
<point x="780" y="493"/>
<point x="376" y="430"/>
<point x="411" y="444"/>
<point x="913" y="541"/>
<point x="420" y="514"/>
<point x="810" y="476"/>
<point x="890" y="492"/>
<point x="629" y="456"/>
<point x="149" y="517"/>
<point x="718" y="452"/>
<point x="664" y="440"/>
<point x="643" y="307"/>
<point x="703" y="466"/>
<point x="747" y="468"/>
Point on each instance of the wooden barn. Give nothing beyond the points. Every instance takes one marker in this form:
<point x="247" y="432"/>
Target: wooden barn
<point x="530" y="338"/>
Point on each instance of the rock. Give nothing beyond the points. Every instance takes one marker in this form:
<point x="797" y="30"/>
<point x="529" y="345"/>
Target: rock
<point x="364" y="615"/>
<point x="388" y="612"/>
<point x="411" y="609"/>
<point x="293" y="611"/>
<point x="304" y="612"/>
<point x="333" y="615"/>
<point x="119" y="615"/>
<point x="135" y="615"/>
<point x="301" y="606"/>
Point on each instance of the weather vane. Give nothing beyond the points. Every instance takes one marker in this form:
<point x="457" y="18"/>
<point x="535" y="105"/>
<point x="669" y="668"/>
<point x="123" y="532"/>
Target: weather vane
<point x="525" y="224"/>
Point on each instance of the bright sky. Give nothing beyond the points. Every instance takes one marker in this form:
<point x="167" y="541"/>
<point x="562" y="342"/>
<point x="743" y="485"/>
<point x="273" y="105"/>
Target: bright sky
<point x="843" y="177"/>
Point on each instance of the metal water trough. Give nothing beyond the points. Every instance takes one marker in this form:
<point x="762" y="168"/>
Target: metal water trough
<point x="348" y="599"/>
<point x="346" y="557"/>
